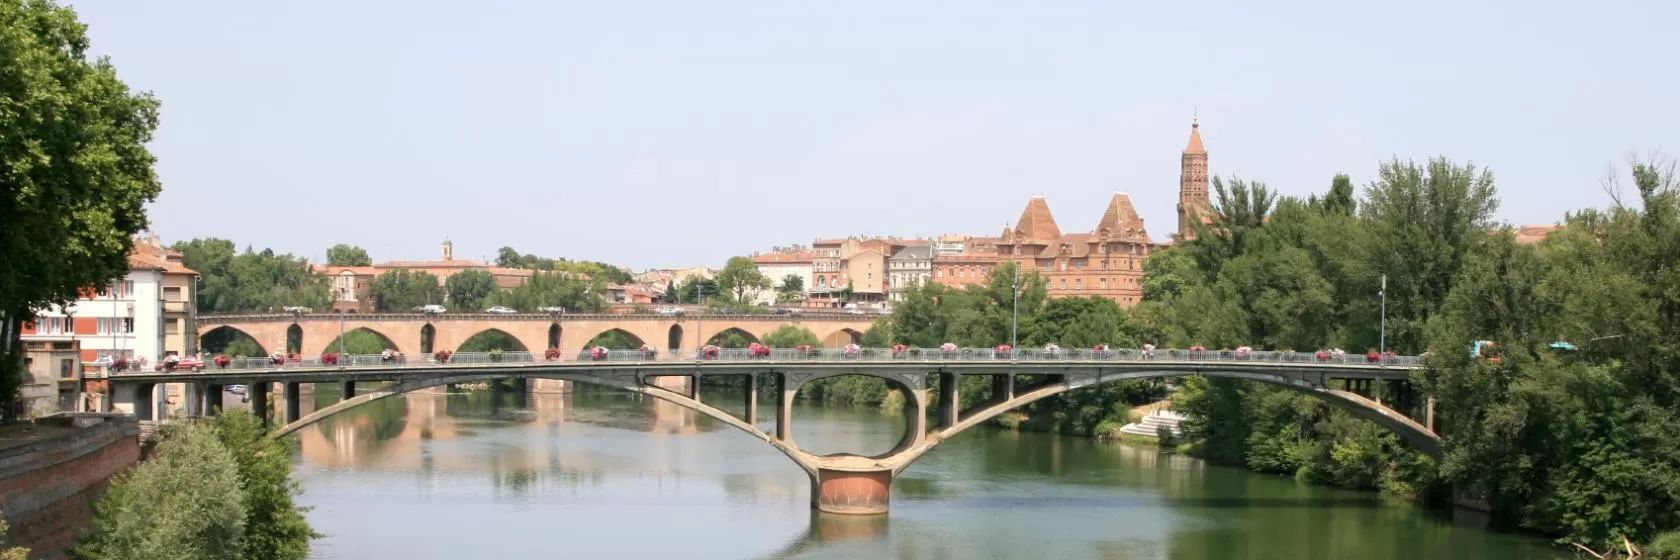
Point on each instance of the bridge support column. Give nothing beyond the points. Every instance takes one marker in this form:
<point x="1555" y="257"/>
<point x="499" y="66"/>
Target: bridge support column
<point x="1003" y="387"/>
<point x="258" y="393"/>
<point x="210" y="399"/>
<point x="294" y="404"/>
<point x="346" y="390"/>
<point x="851" y="492"/>
<point x="950" y="405"/>
<point x="784" y="408"/>
<point x="1429" y="415"/>
<point x="751" y="416"/>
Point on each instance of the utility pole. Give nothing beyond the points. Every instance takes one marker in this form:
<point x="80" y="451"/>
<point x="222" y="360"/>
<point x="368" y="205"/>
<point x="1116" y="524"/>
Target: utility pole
<point x="1382" y="324"/>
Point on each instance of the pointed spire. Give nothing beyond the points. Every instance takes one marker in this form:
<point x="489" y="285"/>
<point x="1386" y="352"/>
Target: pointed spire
<point x="1195" y="146"/>
<point x="1036" y="223"/>
<point x="1121" y="218"/>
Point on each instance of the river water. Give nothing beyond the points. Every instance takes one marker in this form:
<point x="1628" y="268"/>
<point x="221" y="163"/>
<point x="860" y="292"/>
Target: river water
<point x="612" y="475"/>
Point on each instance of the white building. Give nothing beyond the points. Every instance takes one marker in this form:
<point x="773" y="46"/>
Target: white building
<point x="910" y="266"/>
<point x="148" y="314"/>
<point x="777" y="266"/>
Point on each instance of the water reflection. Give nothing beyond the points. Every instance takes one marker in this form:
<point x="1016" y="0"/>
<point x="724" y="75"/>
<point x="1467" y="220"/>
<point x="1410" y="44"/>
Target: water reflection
<point x="499" y="474"/>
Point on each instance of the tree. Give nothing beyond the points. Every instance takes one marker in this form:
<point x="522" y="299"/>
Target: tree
<point x="790" y="336"/>
<point x="77" y="172"/>
<point x="275" y="528"/>
<point x="10" y="553"/>
<point x="468" y="289"/>
<point x="251" y="281"/>
<point x="695" y="289"/>
<point x="791" y="289"/>
<point x="553" y="289"/>
<point x="348" y="255"/>
<point x="185" y="503"/>
<point x="741" y="277"/>
<point x="402" y="289"/>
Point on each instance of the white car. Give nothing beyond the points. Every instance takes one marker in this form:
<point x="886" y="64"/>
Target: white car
<point x="499" y="310"/>
<point x="552" y="310"/>
<point x="295" y="309"/>
<point x="433" y="309"/>
<point x="670" y="311"/>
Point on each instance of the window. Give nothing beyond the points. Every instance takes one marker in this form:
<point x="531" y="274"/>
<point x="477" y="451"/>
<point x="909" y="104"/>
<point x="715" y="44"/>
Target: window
<point x="1102" y="283"/>
<point x="172" y="293"/>
<point x="1105" y="264"/>
<point x="1079" y="283"/>
<point x="115" y="325"/>
<point x="173" y="326"/>
<point x="52" y="325"/>
<point x="1063" y="265"/>
<point x="67" y="368"/>
<point x="1063" y="284"/>
<point x="1079" y="264"/>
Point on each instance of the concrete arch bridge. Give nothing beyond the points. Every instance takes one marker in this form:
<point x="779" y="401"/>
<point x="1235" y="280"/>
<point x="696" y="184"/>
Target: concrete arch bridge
<point x="311" y="334"/>
<point x="928" y="379"/>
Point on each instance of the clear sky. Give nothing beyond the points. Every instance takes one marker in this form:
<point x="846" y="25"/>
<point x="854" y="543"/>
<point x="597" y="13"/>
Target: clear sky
<point x="655" y="134"/>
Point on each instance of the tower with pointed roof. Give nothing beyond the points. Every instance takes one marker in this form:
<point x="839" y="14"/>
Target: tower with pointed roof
<point x="1192" y="184"/>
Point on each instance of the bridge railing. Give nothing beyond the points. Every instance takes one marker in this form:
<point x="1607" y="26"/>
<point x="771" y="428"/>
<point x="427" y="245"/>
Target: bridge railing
<point x="812" y="355"/>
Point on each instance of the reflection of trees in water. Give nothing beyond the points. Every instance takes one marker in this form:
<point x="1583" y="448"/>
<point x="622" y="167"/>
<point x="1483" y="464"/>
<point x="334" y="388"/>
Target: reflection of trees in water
<point x="376" y="421"/>
<point x="828" y="528"/>
<point x="497" y="403"/>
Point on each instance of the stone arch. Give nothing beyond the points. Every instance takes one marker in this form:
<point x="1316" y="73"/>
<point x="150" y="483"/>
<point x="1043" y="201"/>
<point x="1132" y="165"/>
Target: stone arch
<point x="554" y="332"/>
<point x="385" y="341"/>
<point x="294" y="339"/>
<point x="428" y="339"/>
<point x="492" y="338"/>
<point x="1410" y="431"/>
<point x="842" y="337"/>
<point x="906" y="387"/>
<point x="738" y="331"/>
<point x="635" y="341"/>
<point x="803" y="459"/>
<point x="674" y="338"/>
<point x="219" y="337"/>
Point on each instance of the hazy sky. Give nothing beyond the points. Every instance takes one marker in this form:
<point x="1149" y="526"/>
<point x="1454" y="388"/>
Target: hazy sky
<point x="656" y="134"/>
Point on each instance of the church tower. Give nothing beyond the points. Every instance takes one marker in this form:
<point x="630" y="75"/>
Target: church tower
<point x="1192" y="184"/>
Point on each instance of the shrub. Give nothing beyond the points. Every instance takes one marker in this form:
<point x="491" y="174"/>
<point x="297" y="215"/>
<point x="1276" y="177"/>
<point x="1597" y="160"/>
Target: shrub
<point x="182" y="504"/>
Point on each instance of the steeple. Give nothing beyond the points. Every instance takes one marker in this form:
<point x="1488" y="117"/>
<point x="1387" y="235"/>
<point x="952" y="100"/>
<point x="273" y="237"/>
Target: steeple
<point x="1036" y="226"/>
<point x="448" y="250"/>
<point x="1192" y="183"/>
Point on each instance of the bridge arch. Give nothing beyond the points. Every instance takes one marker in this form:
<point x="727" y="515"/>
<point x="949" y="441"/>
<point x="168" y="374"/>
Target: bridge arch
<point x="615" y="339"/>
<point x="428" y="339"/>
<point x="490" y="339"/>
<point x="843" y="336"/>
<point x="1413" y="433"/>
<point x="674" y="338"/>
<point x="361" y="340"/>
<point x="294" y="339"/>
<point x="219" y="340"/>
<point x="733" y="337"/>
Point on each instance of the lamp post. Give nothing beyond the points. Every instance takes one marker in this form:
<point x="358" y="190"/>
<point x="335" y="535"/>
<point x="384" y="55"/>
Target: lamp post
<point x="1015" y="308"/>
<point x="1382" y="321"/>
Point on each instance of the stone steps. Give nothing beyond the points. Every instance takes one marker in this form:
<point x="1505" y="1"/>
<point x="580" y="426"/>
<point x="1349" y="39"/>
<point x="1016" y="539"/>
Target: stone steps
<point x="1151" y="423"/>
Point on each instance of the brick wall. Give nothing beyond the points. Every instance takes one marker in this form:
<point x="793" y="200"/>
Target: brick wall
<point x="48" y="488"/>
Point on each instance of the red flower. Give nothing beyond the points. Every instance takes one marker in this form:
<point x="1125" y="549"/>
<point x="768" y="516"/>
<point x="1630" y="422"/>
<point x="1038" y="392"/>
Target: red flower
<point x="551" y="354"/>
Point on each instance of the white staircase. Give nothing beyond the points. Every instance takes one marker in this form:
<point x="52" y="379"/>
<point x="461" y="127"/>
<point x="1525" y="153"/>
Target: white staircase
<point x="1154" y="420"/>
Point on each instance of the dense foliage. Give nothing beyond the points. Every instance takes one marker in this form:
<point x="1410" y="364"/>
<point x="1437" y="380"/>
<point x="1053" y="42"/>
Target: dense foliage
<point x="401" y="290"/>
<point x="214" y="490"/>
<point x="77" y="174"/>
<point x="507" y="257"/>
<point x="231" y="281"/>
<point x="348" y="255"/>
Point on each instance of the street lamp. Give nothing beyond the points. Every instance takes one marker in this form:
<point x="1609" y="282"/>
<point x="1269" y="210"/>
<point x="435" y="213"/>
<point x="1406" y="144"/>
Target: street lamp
<point x="1015" y="308"/>
<point x="1382" y="321"/>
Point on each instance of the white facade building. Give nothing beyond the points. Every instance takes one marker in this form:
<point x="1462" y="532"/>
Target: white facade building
<point x="777" y="267"/>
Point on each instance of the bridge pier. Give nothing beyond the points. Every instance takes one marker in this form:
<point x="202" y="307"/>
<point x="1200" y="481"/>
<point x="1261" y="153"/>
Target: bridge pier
<point x="346" y="390"/>
<point x="293" y="403"/>
<point x="852" y="492"/>
<point x="258" y="393"/>
<point x="784" y="408"/>
<point x="1003" y="387"/>
<point x="751" y="416"/>
<point x="950" y="403"/>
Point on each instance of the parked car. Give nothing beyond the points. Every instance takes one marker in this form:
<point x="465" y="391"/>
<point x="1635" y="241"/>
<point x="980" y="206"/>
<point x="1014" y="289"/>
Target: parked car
<point x="433" y="309"/>
<point x="296" y="309"/>
<point x="669" y="311"/>
<point x="499" y="310"/>
<point x="552" y="310"/>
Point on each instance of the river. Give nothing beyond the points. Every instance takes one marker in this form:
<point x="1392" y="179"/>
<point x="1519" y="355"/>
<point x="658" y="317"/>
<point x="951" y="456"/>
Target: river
<point x="611" y="475"/>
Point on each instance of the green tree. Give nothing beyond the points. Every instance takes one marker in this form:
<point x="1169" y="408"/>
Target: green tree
<point x="275" y="528"/>
<point x="10" y="552"/>
<point x="468" y="289"/>
<point x="553" y="289"/>
<point x="77" y="171"/>
<point x="402" y="289"/>
<point x="791" y="290"/>
<point x="185" y="503"/>
<point x="348" y="255"/>
<point x="695" y="289"/>
<point x="356" y="341"/>
<point x="254" y="280"/>
<point x="742" y="278"/>
<point x="790" y="336"/>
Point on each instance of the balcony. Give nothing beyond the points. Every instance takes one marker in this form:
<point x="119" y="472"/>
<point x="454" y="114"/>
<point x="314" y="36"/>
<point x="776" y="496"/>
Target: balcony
<point x="174" y="306"/>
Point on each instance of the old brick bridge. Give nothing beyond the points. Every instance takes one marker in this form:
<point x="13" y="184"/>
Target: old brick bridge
<point x="928" y="380"/>
<point x="312" y="334"/>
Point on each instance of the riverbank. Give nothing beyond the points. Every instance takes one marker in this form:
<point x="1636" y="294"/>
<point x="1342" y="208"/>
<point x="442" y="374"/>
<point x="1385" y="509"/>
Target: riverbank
<point x="53" y="471"/>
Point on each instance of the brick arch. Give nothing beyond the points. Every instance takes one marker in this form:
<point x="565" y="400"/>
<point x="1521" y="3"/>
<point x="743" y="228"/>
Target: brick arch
<point x="674" y="338"/>
<point x="737" y="330"/>
<point x="263" y="348"/>
<point x="633" y="337"/>
<point x="330" y="344"/>
<point x="524" y="345"/>
<point x="842" y="336"/>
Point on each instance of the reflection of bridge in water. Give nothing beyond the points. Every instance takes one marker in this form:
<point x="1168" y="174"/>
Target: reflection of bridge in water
<point x="393" y="433"/>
